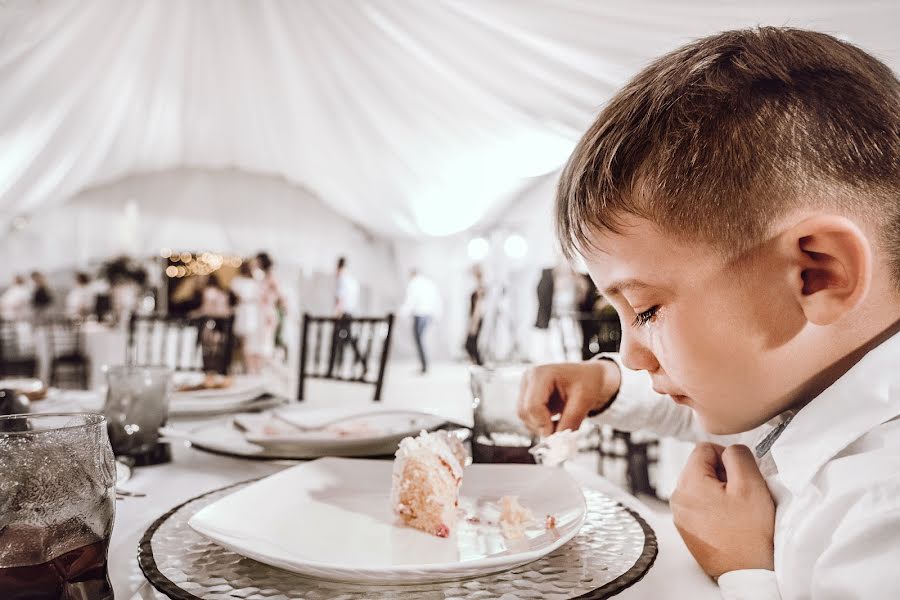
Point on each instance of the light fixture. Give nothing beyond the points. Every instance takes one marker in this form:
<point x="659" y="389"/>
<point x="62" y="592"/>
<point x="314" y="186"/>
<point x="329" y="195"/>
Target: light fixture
<point x="171" y="271"/>
<point x="478" y="248"/>
<point x="515" y="246"/>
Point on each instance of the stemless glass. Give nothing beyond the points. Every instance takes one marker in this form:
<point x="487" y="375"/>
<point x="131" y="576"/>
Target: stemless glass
<point x="498" y="435"/>
<point x="137" y="404"/>
<point x="57" y="503"/>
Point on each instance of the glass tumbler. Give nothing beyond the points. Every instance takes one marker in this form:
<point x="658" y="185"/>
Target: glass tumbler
<point x="57" y="503"/>
<point x="498" y="436"/>
<point x="137" y="405"/>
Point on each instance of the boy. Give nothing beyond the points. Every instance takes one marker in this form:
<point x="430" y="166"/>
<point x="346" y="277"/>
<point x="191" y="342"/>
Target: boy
<point x="738" y="203"/>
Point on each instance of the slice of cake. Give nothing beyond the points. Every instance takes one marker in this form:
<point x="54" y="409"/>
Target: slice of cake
<point x="427" y="474"/>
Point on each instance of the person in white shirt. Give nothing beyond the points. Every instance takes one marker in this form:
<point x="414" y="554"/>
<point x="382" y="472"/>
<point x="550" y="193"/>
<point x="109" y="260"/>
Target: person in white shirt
<point x="423" y="302"/>
<point x="81" y="299"/>
<point x="247" y="291"/>
<point x="15" y="303"/>
<point x="737" y="203"/>
<point x="346" y="290"/>
<point x="346" y="302"/>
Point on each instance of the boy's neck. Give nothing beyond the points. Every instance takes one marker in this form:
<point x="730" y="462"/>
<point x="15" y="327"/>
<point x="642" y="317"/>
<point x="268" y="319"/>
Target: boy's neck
<point x="830" y="374"/>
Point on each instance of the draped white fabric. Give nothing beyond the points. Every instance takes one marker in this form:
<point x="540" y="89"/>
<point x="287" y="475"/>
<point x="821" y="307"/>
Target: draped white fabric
<point x="412" y="118"/>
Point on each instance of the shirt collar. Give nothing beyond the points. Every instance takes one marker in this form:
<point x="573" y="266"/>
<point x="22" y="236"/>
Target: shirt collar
<point x="867" y="395"/>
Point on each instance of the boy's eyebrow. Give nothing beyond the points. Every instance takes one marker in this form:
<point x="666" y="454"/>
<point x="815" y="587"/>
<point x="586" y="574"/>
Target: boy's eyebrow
<point x="617" y="287"/>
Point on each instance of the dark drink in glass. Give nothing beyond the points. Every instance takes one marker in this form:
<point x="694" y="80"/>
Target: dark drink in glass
<point x="498" y="436"/>
<point x="57" y="503"/>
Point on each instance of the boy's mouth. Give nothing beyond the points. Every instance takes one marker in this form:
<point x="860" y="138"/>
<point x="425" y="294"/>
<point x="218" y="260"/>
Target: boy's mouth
<point x="677" y="398"/>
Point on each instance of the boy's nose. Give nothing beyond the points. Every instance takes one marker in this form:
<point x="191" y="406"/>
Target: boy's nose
<point x="634" y="353"/>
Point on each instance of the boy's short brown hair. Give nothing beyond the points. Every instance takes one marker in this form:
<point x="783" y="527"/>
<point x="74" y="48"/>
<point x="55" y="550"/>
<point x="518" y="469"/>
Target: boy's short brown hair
<point x="720" y="137"/>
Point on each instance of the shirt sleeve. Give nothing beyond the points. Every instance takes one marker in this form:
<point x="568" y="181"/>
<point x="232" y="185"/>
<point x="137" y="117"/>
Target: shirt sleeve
<point x="749" y="584"/>
<point x="638" y="407"/>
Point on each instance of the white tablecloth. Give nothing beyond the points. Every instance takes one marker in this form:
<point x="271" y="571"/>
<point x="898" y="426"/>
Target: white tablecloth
<point x="194" y="472"/>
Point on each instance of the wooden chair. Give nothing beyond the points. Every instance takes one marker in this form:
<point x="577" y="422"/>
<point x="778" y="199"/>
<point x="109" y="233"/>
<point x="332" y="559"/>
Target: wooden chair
<point x="631" y="456"/>
<point x="352" y="349"/>
<point x="69" y="364"/>
<point x="18" y="353"/>
<point x="184" y="344"/>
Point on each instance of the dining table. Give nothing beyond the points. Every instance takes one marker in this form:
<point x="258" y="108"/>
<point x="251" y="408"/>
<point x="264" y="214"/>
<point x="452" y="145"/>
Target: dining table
<point x="154" y="490"/>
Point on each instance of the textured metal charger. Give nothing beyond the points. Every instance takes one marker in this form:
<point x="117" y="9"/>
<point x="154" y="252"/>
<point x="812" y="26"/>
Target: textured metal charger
<point x="614" y="549"/>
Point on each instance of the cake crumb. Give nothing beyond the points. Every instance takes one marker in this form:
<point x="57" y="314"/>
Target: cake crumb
<point x="551" y="522"/>
<point x="514" y="517"/>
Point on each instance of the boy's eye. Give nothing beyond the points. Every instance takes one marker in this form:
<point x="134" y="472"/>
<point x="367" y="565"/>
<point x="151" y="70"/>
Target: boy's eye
<point x="645" y="317"/>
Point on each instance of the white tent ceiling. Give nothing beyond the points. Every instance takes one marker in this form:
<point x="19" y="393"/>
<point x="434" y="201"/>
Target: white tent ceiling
<point x="410" y="117"/>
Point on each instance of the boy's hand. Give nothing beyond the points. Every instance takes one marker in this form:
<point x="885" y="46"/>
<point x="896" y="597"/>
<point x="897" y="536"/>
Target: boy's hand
<point x="570" y="390"/>
<point x="724" y="511"/>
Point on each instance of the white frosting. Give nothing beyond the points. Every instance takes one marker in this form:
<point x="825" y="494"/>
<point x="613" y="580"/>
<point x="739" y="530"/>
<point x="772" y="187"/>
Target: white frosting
<point x="440" y="443"/>
<point x="557" y="448"/>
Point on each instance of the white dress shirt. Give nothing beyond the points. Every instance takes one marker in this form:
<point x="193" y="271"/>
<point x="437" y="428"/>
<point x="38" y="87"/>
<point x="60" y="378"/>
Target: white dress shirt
<point x="15" y="303"/>
<point x="834" y="472"/>
<point x="422" y="298"/>
<point x="346" y="293"/>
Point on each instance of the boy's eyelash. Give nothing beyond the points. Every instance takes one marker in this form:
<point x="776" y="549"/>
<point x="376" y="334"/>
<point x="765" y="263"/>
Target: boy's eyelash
<point x="645" y="317"/>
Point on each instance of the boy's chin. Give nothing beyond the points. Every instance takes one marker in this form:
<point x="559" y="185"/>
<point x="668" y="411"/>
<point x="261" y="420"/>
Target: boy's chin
<point x="720" y="427"/>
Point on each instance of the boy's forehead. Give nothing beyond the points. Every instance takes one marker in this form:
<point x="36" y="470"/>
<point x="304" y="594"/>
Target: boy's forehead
<point x="641" y="255"/>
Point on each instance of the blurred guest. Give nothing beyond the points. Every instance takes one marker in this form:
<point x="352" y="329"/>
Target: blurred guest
<point x="81" y="299"/>
<point x="271" y="306"/>
<point x="545" y="299"/>
<point x="423" y="302"/>
<point x="16" y="300"/>
<point x="476" y="316"/>
<point x="214" y="301"/>
<point x="247" y="316"/>
<point x="346" y="291"/>
<point x="346" y="300"/>
<point x="588" y="305"/>
<point x="41" y="297"/>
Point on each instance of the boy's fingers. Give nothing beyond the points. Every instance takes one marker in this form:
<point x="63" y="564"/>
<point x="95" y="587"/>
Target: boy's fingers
<point x="533" y="411"/>
<point x="574" y="411"/>
<point x="704" y="462"/>
<point x="741" y="467"/>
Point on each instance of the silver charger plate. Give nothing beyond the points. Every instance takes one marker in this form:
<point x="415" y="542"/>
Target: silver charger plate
<point x="614" y="549"/>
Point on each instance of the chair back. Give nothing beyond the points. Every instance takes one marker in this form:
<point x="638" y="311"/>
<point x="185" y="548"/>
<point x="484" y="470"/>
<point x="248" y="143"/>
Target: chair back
<point x="351" y="349"/>
<point x="18" y="349"/>
<point x="183" y="344"/>
<point x="64" y="337"/>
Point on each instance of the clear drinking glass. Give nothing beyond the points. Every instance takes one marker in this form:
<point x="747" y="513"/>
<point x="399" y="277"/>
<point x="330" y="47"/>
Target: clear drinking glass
<point x="137" y="405"/>
<point x="498" y="434"/>
<point x="57" y="503"/>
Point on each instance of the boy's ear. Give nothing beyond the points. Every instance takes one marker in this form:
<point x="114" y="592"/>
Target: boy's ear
<point x="830" y="266"/>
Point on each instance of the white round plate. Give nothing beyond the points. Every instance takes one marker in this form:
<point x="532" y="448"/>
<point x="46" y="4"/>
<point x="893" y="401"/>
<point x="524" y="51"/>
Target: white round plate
<point x="348" y="436"/>
<point x="332" y="519"/>
<point x="259" y="403"/>
<point x="23" y="385"/>
<point x="244" y="389"/>
<point x="225" y="438"/>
